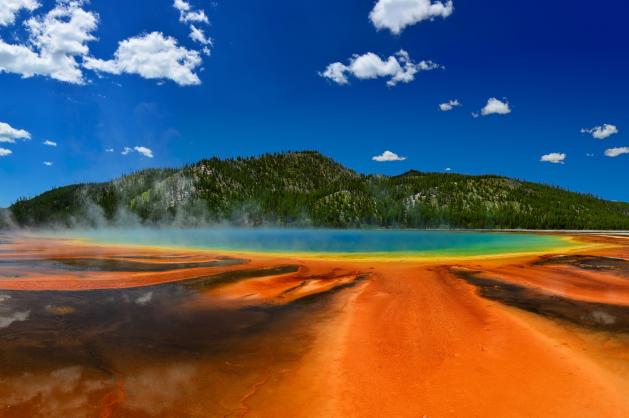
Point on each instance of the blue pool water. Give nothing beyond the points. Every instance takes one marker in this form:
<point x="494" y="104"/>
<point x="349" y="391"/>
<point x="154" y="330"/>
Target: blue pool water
<point x="332" y="241"/>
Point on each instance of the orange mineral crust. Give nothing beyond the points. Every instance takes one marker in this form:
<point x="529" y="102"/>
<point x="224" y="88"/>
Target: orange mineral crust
<point x="419" y="343"/>
<point x="89" y="330"/>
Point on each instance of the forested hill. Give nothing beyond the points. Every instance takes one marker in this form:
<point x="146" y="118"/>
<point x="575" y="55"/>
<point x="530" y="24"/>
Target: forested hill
<point x="309" y="189"/>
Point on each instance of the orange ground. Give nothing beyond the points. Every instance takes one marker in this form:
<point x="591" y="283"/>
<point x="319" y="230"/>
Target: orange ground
<point x="435" y="349"/>
<point x="410" y="340"/>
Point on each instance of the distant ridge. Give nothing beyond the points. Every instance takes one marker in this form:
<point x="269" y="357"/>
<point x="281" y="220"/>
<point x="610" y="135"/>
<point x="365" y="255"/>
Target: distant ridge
<point x="309" y="189"/>
<point x="410" y="173"/>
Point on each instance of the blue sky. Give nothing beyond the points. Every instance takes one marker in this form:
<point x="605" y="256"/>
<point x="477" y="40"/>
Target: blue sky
<point x="554" y="69"/>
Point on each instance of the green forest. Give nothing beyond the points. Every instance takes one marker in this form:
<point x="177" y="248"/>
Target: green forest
<point x="310" y="189"/>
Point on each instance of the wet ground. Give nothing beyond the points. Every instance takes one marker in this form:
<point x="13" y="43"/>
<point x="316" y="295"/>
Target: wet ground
<point x="598" y="316"/>
<point x="177" y="348"/>
<point x="98" y="331"/>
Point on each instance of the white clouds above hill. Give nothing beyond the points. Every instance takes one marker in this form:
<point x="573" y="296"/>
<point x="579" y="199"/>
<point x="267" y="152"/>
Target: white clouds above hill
<point x="388" y="156"/>
<point x="188" y="15"/>
<point x="554" y="158"/>
<point x="9" y="134"/>
<point x="56" y="40"/>
<point x="398" y="68"/>
<point x="152" y="56"/>
<point x="147" y="152"/>
<point x="395" y="15"/>
<point x="57" y="45"/>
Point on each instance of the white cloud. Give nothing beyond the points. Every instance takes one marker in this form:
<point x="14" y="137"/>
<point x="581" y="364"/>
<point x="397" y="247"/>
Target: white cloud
<point x="48" y="163"/>
<point x="449" y="105"/>
<point x="187" y="14"/>
<point x="50" y="143"/>
<point x="554" y="158"/>
<point x="395" y="15"/>
<point x="198" y="35"/>
<point x="615" y="152"/>
<point x="56" y="40"/>
<point x="399" y="68"/>
<point x="388" y="156"/>
<point x="448" y="169"/>
<point x="589" y="154"/>
<point x="147" y="152"/>
<point x="5" y="152"/>
<point x="9" y="134"/>
<point x="182" y="6"/>
<point x="601" y="132"/>
<point x="10" y="8"/>
<point x="109" y="150"/>
<point x="152" y="56"/>
<point x="336" y="72"/>
<point x="495" y="107"/>
<point x="65" y="30"/>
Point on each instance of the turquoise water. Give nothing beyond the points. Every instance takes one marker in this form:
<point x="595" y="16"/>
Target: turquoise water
<point x="332" y="241"/>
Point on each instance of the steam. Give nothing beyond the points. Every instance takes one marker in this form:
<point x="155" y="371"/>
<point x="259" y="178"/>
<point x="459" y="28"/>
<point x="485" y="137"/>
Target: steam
<point x="7" y="319"/>
<point x="6" y="220"/>
<point x="144" y="299"/>
<point x="169" y="203"/>
<point x="8" y="315"/>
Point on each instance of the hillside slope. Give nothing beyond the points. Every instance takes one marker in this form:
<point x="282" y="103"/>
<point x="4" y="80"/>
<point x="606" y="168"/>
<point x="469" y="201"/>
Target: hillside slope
<point x="309" y="189"/>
